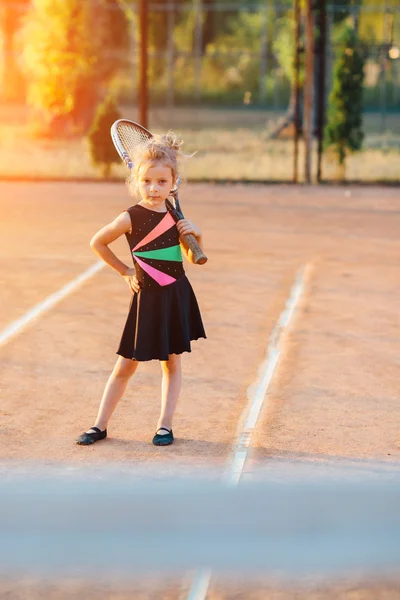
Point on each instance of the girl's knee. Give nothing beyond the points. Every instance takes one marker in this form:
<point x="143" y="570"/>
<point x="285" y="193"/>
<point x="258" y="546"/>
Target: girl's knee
<point x="173" y="364"/>
<point x="124" y="368"/>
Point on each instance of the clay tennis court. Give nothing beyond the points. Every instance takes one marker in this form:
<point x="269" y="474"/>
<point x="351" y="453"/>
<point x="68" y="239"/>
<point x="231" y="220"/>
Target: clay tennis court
<point x="333" y="405"/>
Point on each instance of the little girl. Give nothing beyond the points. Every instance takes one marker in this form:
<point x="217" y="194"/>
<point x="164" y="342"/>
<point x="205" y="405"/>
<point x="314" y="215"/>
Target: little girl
<point x="164" y="315"/>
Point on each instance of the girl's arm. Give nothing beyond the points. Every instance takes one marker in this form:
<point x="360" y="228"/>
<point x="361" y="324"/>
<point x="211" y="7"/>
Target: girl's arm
<point x="108" y="234"/>
<point x="184" y="227"/>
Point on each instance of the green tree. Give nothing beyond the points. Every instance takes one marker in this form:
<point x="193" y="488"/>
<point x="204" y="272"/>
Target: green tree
<point x="343" y="131"/>
<point x="102" y="152"/>
<point x="343" y="9"/>
<point x="72" y="52"/>
<point x="241" y="73"/>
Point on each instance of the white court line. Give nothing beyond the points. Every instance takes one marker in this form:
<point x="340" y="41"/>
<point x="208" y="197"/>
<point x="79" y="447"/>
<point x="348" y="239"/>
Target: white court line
<point x="200" y="585"/>
<point x="17" y="326"/>
<point x="256" y="394"/>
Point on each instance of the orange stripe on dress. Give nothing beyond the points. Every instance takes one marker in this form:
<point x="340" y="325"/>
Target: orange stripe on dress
<point x="166" y="223"/>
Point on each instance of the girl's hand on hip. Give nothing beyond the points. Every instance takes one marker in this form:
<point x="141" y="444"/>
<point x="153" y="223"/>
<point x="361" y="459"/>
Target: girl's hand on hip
<point x="132" y="280"/>
<point x="185" y="226"/>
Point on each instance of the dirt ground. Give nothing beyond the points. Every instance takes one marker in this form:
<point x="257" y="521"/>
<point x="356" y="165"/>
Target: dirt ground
<point x="333" y="406"/>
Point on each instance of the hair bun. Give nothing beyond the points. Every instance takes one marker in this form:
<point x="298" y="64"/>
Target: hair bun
<point x="172" y="141"/>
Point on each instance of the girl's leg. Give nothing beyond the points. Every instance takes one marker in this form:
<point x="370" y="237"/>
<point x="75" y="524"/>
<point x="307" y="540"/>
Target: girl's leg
<point x="170" y="388"/>
<point x="115" y="388"/>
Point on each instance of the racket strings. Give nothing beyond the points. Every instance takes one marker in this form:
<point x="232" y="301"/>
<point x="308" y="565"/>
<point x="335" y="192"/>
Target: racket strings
<point x="131" y="138"/>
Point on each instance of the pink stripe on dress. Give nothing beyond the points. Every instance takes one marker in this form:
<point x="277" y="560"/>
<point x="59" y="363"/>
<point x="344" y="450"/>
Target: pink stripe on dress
<point x="159" y="276"/>
<point x="166" y="223"/>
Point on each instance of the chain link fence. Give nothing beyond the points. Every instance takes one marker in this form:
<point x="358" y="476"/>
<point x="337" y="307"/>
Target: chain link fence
<point x="221" y="74"/>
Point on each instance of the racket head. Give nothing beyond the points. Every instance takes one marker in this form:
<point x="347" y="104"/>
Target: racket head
<point x="127" y="136"/>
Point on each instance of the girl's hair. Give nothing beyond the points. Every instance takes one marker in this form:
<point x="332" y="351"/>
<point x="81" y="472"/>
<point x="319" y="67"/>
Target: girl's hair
<point x="164" y="148"/>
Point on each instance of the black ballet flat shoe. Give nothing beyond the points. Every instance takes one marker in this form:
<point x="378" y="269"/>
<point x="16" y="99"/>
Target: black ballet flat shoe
<point x="163" y="440"/>
<point x="90" y="438"/>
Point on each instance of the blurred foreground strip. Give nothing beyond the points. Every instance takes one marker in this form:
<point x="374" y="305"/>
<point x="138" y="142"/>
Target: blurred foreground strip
<point x="59" y="526"/>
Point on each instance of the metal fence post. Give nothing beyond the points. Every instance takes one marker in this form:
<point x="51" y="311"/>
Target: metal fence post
<point x="170" y="56"/>
<point x="263" y="55"/>
<point x="308" y="90"/>
<point x="143" y="64"/>
<point x="198" y="37"/>
<point x="321" y="85"/>
<point x="297" y="17"/>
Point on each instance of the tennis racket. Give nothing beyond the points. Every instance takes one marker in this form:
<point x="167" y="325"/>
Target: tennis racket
<point x="127" y="136"/>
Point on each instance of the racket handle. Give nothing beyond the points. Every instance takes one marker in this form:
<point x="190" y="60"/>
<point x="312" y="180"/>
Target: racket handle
<point x="198" y="255"/>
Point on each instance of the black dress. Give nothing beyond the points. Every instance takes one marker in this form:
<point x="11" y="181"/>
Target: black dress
<point x="164" y="315"/>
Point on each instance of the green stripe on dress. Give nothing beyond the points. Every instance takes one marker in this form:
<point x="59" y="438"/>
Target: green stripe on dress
<point x="173" y="253"/>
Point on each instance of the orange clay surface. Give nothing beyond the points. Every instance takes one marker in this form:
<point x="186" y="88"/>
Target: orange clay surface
<point x="333" y="405"/>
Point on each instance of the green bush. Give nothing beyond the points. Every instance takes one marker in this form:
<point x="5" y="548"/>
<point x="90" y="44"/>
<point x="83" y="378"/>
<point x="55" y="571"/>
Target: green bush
<point x="343" y="132"/>
<point x="102" y="152"/>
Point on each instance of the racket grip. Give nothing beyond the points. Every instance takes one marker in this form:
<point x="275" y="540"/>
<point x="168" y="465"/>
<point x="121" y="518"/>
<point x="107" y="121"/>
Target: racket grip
<point x="198" y="255"/>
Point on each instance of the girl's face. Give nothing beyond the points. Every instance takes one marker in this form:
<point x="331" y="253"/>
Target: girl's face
<point x="155" y="181"/>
